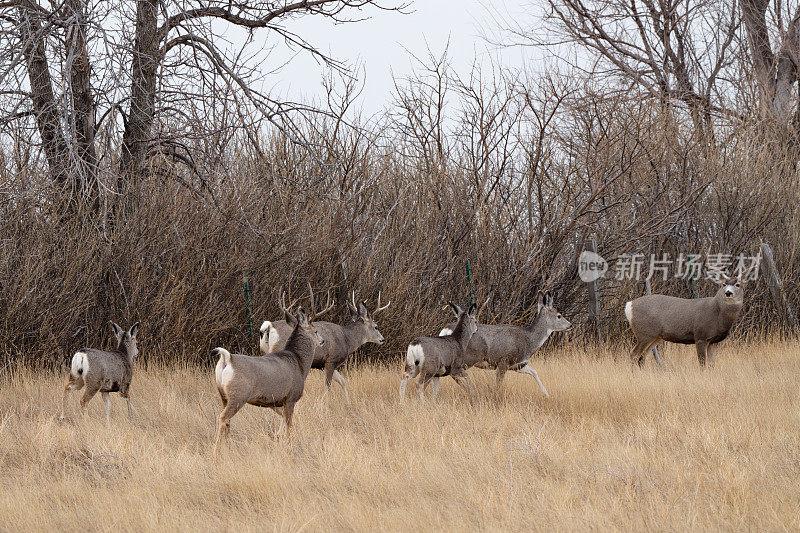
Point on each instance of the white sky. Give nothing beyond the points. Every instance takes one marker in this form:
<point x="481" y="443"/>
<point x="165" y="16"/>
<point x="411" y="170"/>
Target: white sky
<point x="383" y="45"/>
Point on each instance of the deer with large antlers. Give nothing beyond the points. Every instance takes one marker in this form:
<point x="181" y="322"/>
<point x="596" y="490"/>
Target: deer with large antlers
<point x="340" y="341"/>
<point x="275" y="380"/>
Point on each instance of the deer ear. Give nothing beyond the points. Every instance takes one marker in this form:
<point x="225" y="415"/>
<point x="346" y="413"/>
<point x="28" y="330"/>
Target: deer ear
<point x="302" y="318"/>
<point x="353" y="310"/>
<point x="290" y="319"/>
<point x="473" y="310"/>
<point x="118" y="331"/>
<point x="134" y="330"/>
<point x="362" y="310"/>
<point x="456" y="309"/>
<point x="548" y="299"/>
<point x="539" y="302"/>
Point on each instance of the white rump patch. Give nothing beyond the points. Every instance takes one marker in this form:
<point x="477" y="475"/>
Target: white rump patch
<point x="80" y="365"/>
<point x="263" y="343"/>
<point x="225" y="376"/>
<point x="415" y="357"/>
<point x="445" y="332"/>
<point x="629" y="312"/>
<point x="218" y="372"/>
<point x="273" y="337"/>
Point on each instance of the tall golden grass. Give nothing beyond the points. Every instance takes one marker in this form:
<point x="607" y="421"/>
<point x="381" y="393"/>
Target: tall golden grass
<point x="615" y="447"/>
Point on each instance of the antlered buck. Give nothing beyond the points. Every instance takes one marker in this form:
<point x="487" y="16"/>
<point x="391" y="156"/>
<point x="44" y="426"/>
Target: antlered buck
<point x="340" y="341"/>
<point x="701" y="321"/>
<point x="275" y="380"/>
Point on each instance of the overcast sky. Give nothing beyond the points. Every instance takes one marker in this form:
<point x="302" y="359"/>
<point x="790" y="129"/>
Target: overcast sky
<point x="384" y="44"/>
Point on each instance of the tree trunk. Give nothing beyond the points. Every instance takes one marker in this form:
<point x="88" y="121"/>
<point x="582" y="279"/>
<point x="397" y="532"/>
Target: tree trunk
<point x="143" y="87"/>
<point x="44" y="105"/>
<point x="82" y="102"/>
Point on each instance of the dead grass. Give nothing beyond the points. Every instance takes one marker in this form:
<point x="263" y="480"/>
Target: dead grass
<point x="615" y="448"/>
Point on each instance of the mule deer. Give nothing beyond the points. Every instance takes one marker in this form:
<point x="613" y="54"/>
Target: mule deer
<point x="507" y="347"/>
<point x="701" y="321"/>
<point x="275" y="380"/>
<point x="340" y="341"/>
<point x="433" y="357"/>
<point x="103" y="371"/>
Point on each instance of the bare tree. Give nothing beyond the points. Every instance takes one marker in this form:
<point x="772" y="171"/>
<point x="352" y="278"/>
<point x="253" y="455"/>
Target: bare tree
<point x="703" y="54"/>
<point x="85" y="67"/>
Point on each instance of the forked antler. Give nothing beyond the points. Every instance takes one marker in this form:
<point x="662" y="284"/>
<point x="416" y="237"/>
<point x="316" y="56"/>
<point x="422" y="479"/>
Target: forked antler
<point x="378" y="307"/>
<point x="313" y="307"/>
<point x="282" y="303"/>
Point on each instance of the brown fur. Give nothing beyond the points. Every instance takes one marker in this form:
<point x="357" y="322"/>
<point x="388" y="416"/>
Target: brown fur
<point x="275" y="380"/>
<point x="702" y="321"/>
<point x="107" y="372"/>
<point x="340" y="341"/>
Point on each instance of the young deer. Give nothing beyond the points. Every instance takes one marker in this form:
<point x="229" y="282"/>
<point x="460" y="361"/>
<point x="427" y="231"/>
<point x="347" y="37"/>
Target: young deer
<point x="340" y="341"/>
<point x="275" y="380"/>
<point x="103" y="371"/>
<point x="433" y="357"/>
<point x="507" y="347"/>
<point x="701" y="321"/>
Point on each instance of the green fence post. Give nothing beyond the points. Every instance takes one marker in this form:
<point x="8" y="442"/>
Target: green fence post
<point x="469" y="284"/>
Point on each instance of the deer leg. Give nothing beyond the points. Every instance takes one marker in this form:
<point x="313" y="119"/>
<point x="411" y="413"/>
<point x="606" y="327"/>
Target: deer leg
<point x="88" y="394"/>
<point x="527" y="369"/>
<point x="107" y="403"/>
<point x="288" y="410"/>
<point x="639" y="351"/>
<point x="125" y="394"/>
<point x="466" y="384"/>
<point x="711" y="350"/>
<point x="282" y="427"/>
<point x="337" y="377"/>
<point x="501" y="372"/>
<point x="434" y="388"/>
<point x="421" y="386"/>
<point x="403" y="386"/>
<point x="329" y="370"/>
<point x="72" y="385"/>
<point x="702" y="349"/>
<point x="225" y="423"/>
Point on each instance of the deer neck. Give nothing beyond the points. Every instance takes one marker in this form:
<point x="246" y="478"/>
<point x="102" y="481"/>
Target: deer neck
<point x="127" y="356"/>
<point x="728" y="313"/>
<point x="354" y="335"/>
<point x="301" y="347"/>
<point x="460" y="334"/>
<point x="538" y="332"/>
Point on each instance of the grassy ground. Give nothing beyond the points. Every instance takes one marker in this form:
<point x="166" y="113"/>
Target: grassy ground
<point x="615" y="448"/>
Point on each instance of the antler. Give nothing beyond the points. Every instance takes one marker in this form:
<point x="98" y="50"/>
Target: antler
<point x="483" y="306"/>
<point x="312" y="306"/>
<point x="378" y="308"/>
<point x="282" y="303"/>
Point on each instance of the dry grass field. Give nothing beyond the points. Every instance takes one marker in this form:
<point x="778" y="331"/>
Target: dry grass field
<point x="614" y="448"/>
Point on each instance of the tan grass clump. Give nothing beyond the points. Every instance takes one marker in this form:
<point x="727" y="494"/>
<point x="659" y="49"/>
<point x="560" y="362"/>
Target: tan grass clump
<point x="615" y="448"/>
